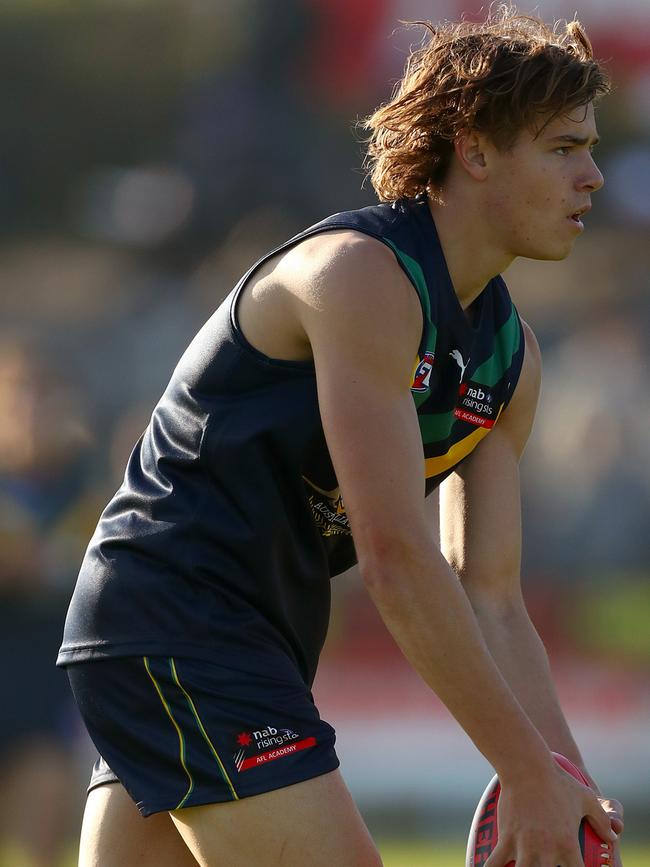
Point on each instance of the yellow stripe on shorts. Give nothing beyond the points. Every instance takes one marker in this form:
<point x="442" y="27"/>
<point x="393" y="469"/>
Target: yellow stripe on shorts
<point x="181" y="739"/>
<point x="224" y="773"/>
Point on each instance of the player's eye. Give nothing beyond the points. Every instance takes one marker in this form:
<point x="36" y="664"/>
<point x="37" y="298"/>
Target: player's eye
<point x="563" y="151"/>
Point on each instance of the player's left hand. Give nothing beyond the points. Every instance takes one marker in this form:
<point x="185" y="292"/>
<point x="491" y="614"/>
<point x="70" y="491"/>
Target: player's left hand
<point x="614" y="810"/>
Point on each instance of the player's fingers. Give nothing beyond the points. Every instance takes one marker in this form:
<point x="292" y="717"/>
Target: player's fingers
<point x="614" y="810"/>
<point x="568" y="855"/>
<point x="502" y="856"/>
<point x="544" y="861"/>
<point x="573" y="857"/>
<point x="599" y="821"/>
<point x="537" y="860"/>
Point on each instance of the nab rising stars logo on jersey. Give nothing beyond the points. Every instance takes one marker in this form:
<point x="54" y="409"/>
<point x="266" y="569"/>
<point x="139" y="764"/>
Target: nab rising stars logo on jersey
<point x="422" y="375"/>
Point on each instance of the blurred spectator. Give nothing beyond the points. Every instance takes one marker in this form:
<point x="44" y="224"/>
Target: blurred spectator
<point x="346" y="50"/>
<point x="246" y="130"/>
<point x="43" y="450"/>
<point x="588" y="490"/>
<point x="252" y="237"/>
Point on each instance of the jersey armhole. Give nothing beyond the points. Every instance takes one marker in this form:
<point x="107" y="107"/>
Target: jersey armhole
<point x="408" y="265"/>
<point x="238" y="334"/>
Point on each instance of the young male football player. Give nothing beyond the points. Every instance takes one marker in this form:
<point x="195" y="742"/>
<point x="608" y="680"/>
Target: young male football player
<point x="369" y="360"/>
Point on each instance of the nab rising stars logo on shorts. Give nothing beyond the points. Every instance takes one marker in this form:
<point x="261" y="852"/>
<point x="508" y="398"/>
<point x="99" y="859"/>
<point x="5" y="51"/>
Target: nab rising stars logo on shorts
<point x="422" y="375"/>
<point x="266" y="745"/>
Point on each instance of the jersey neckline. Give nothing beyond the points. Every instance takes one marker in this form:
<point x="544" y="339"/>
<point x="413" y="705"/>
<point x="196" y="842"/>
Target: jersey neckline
<point x="440" y="267"/>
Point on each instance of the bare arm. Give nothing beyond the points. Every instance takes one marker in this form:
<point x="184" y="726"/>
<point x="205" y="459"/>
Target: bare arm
<point x="364" y="344"/>
<point x="480" y="521"/>
<point x="481" y="539"/>
<point x="363" y="322"/>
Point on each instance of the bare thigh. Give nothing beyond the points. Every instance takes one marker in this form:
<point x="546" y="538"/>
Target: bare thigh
<point x="309" y="824"/>
<point x="114" y="834"/>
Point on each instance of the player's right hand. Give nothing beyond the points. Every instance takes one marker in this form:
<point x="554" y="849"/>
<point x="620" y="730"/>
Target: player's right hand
<point x="539" y="819"/>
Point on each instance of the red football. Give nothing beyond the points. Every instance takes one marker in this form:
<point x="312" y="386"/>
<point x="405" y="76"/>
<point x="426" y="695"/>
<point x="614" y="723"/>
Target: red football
<point x="483" y="834"/>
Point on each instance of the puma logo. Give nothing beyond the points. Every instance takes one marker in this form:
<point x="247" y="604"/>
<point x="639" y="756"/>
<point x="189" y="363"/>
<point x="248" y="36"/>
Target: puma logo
<point x="458" y="358"/>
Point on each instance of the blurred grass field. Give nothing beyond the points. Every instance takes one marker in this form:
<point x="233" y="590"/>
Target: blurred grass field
<point x="452" y="854"/>
<point x="395" y="853"/>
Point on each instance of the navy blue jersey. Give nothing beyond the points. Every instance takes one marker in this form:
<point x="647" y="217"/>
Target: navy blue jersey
<point x="223" y="537"/>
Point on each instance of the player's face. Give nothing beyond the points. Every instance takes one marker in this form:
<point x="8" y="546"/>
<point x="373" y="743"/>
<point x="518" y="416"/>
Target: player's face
<point x="542" y="187"/>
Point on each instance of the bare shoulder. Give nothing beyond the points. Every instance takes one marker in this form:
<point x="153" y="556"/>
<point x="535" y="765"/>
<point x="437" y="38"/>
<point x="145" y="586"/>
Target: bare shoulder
<point x="517" y="420"/>
<point x="349" y="292"/>
<point x="323" y="270"/>
<point x="330" y="283"/>
<point x="530" y="379"/>
<point x="533" y="354"/>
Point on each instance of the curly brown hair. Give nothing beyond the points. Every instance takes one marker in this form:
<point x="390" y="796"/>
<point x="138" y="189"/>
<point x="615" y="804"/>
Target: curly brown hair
<point x="509" y="73"/>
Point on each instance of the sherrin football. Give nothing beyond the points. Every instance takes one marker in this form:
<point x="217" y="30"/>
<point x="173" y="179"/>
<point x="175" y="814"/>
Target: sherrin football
<point x="483" y="834"/>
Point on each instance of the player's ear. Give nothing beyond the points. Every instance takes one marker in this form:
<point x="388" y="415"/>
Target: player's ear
<point x="470" y="147"/>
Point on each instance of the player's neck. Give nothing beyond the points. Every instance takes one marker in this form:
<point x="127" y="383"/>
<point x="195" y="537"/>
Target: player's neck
<point x="467" y="239"/>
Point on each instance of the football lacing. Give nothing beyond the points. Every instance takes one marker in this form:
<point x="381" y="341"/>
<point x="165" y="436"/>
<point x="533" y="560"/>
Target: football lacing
<point x="604" y="856"/>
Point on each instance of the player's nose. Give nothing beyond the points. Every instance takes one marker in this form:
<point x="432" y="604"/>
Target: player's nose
<point x="592" y="179"/>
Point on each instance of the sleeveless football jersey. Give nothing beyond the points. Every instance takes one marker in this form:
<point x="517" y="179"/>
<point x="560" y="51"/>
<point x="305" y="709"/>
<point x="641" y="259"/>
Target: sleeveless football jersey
<point x="222" y="539"/>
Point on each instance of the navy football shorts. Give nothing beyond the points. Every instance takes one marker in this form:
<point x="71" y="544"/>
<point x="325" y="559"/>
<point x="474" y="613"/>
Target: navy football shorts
<point x="178" y="732"/>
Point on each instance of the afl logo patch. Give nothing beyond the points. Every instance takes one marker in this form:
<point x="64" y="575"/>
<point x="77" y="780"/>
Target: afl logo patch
<point x="422" y="375"/>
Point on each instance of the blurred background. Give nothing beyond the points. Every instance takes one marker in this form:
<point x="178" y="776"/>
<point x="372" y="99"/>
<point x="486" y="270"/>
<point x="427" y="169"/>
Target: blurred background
<point x="150" y="151"/>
